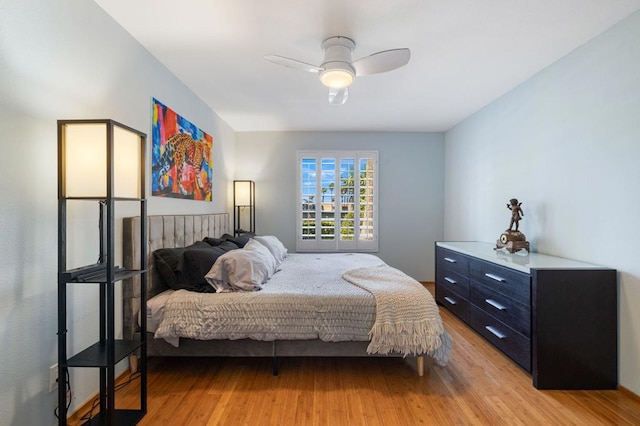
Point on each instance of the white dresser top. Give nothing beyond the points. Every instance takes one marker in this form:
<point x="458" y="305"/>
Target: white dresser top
<point x="521" y="260"/>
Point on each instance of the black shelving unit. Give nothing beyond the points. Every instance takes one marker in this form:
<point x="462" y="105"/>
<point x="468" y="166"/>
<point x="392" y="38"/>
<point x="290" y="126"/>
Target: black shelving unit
<point x="108" y="351"/>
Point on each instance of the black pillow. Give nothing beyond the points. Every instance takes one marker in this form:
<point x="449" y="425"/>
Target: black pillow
<point x="198" y="263"/>
<point x="227" y="245"/>
<point x="170" y="264"/>
<point x="213" y="241"/>
<point x="240" y="240"/>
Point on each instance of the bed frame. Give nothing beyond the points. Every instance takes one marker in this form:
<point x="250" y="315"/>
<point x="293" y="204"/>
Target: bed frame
<point x="182" y="230"/>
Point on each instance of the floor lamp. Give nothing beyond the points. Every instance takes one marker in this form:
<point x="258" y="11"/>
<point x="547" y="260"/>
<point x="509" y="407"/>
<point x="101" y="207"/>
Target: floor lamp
<point x="244" y="206"/>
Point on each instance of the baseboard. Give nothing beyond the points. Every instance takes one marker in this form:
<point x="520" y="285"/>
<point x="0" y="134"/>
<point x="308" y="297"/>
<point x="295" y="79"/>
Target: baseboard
<point x="429" y="285"/>
<point x="629" y="393"/>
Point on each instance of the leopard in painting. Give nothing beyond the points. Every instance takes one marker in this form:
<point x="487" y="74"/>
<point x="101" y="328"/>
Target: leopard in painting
<point x="188" y="157"/>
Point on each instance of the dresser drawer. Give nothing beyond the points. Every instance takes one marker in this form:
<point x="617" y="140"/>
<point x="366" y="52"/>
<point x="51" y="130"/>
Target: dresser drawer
<point x="454" y="302"/>
<point x="453" y="281"/>
<point x="452" y="261"/>
<point x="511" y="283"/>
<point x="509" y="341"/>
<point x="504" y="309"/>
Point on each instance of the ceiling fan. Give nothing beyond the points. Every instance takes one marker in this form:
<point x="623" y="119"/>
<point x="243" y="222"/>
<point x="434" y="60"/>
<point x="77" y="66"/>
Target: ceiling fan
<point x="338" y="70"/>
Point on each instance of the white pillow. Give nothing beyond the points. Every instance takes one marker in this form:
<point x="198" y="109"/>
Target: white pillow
<point x="262" y="253"/>
<point x="275" y="246"/>
<point x="244" y="269"/>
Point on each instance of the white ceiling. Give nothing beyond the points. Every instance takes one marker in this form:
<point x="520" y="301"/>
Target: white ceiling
<point x="464" y="54"/>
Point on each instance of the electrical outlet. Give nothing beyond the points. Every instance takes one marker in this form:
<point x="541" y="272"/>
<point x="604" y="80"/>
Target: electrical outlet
<point x="53" y="377"/>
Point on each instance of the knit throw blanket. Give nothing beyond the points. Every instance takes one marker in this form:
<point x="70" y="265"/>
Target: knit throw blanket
<point x="407" y="317"/>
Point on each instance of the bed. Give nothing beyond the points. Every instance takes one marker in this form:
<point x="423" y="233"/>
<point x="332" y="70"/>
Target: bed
<point x="348" y="333"/>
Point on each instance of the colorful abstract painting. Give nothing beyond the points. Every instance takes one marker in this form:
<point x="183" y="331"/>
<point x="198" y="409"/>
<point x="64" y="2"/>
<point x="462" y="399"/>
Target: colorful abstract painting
<point x="181" y="157"/>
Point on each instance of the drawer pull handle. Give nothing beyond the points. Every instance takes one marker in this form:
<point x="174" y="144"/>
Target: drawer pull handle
<point x="496" y="305"/>
<point x="495" y="332"/>
<point x="495" y="277"/>
<point x="450" y="300"/>
<point x="450" y="280"/>
<point x="450" y="260"/>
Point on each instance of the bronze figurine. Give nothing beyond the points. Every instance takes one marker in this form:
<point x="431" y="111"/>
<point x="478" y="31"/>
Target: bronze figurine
<point x="516" y="213"/>
<point x="513" y="240"/>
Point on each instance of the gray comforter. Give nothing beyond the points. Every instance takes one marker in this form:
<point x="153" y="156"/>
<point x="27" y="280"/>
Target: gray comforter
<point x="309" y="298"/>
<point x="306" y="299"/>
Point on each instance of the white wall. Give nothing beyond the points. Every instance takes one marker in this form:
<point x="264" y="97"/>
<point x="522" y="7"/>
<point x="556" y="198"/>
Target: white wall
<point x="567" y="144"/>
<point x="410" y="188"/>
<point x="67" y="59"/>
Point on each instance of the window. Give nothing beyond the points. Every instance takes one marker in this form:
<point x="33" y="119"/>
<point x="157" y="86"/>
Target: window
<point x="337" y="201"/>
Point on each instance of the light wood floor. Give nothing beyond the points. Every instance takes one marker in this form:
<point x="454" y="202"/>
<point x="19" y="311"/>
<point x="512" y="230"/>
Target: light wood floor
<point x="479" y="386"/>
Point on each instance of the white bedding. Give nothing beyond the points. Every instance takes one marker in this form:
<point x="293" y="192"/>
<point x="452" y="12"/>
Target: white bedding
<point x="306" y="299"/>
<point x="155" y="310"/>
<point x="155" y="313"/>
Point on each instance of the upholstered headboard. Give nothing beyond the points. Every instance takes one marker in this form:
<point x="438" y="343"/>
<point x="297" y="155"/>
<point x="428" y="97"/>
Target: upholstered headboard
<point x="162" y="232"/>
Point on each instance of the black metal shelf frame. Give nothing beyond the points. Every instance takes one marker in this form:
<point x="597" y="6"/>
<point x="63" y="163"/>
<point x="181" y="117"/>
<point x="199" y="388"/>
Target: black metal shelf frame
<point x="119" y="417"/>
<point x="99" y="275"/>
<point x="107" y="351"/>
<point x="97" y="355"/>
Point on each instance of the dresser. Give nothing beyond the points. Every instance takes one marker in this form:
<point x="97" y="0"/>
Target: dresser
<point x="556" y="318"/>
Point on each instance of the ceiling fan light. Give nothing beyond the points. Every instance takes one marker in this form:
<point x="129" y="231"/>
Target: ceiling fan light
<point x="337" y="78"/>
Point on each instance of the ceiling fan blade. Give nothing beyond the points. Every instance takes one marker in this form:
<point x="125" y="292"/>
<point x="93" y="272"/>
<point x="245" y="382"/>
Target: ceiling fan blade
<point x="292" y="63"/>
<point x="384" y="61"/>
<point x="338" y="96"/>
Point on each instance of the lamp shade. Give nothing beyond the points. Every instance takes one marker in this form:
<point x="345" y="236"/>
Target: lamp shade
<point x="93" y="150"/>
<point x="243" y="192"/>
<point x="337" y="78"/>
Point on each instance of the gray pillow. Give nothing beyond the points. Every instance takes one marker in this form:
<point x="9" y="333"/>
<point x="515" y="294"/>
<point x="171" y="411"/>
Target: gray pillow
<point x="275" y="246"/>
<point x="247" y="269"/>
